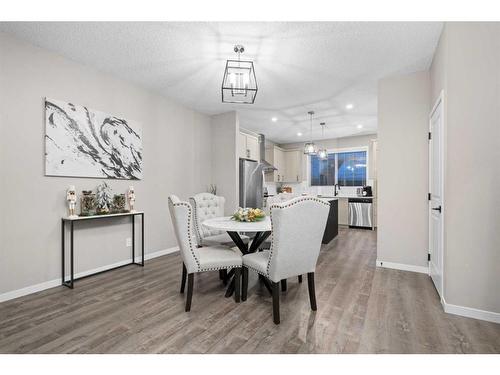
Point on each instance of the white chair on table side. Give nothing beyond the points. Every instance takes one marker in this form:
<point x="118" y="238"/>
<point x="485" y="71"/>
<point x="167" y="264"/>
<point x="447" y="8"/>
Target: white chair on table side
<point x="210" y="258"/>
<point x="207" y="206"/>
<point x="297" y="230"/>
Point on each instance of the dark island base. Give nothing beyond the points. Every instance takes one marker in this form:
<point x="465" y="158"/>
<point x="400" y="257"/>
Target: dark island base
<point x="332" y="224"/>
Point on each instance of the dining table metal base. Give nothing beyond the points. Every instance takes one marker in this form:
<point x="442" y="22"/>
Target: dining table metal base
<point x="257" y="241"/>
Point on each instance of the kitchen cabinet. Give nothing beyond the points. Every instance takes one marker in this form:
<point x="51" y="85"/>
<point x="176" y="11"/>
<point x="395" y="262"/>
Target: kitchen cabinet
<point x="293" y="166"/>
<point x="253" y="147"/>
<point x="248" y="146"/>
<point x="276" y="156"/>
<point x="242" y="145"/>
<point x="343" y="211"/>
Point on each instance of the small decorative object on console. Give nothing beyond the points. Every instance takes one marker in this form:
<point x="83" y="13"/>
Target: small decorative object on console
<point x="87" y="203"/>
<point x="248" y="214"/>
<point x="103" y="199"/>
<point x="71" y="198"/>
<point x="131" y="198"/>
<point x="118" y="204"/>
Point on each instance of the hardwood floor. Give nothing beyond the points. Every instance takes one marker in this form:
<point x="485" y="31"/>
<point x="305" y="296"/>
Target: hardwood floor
<point x="361" y="309"/>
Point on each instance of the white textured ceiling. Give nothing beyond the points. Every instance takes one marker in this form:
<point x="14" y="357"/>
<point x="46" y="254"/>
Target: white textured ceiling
<point x="318" y="66"/>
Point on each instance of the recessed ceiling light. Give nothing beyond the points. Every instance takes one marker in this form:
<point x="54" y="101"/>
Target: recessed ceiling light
<point x="274" y="119"/>
<point x="299" y="134"/>
<point x="349" y="106"/>
<point x="359" y="126"/>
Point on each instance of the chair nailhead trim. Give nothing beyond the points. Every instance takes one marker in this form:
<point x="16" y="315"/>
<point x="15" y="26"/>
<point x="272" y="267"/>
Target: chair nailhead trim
<point x="219" y="268"/>
<point x="190" y="232"/>
<point x="287" y="204"/>
<point x="196" y="227"/>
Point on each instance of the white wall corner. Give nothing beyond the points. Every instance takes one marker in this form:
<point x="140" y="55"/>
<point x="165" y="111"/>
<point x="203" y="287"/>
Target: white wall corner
<point x="57" y="282"/>
<point x="402" y="267"/>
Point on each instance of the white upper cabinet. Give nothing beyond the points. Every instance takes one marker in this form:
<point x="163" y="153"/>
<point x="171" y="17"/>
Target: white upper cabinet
<point x="248" y="146"/>
<point x="242" y="145"/>
<point x="288" y="164"/>
<point x="293" y="166"/>
<point x="253" y="147"/>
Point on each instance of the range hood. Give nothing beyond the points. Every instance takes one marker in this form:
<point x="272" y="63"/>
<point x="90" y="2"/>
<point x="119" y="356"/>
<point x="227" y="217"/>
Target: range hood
<point x="263" y="164"/>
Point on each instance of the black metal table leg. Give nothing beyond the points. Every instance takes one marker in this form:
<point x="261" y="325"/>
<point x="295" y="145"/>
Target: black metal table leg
<point x="257" y="241"/>
<point x="63" y="241"/>
<point x="71" y="257"/>
<point x="133" y="238"/>
<point x="142" y="238"/>
<point x="235" y="236"/>
<point x="259" y="238"/>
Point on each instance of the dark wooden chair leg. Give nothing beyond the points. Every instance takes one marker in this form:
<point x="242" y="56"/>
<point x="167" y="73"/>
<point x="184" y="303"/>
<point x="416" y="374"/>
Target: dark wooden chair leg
<point x="276" y="302"/>
<point x="190" y="291"/>
<point x="221" y="274"/>
<point x="225" y="277"/>
<point x="300" y="278"/>
<point x="183" y="280"/>
<point x="283" y="285"/>
<point x="312" y="292"/>
<point x="244" y="284"/>
<point x="237" y="284"/>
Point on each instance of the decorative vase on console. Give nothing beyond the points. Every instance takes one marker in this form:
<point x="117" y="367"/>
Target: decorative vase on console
<point x="87" y="203"/>
<point x="118" y="203"/>
<point x="71" y="198"/>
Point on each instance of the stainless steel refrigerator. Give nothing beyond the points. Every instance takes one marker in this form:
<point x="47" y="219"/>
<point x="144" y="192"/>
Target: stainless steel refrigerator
<point x="252" y="178"/>
<point x="251" y="183"/>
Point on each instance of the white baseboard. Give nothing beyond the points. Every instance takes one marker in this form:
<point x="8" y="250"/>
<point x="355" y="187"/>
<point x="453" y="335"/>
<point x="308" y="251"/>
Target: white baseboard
<point x="468" y="312"/>
<point x="471" y="312"/>
<point x="402" y="267"/>
<point x="57" y="282"/>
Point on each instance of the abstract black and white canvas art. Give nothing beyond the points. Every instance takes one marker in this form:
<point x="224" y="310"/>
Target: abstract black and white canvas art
<point x="81" y="142"/>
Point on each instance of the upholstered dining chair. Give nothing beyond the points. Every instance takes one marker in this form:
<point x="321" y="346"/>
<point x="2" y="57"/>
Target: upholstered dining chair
<point x="278" y="198"/>
<point x="194" y="259"/>
<point x="297" y="230"/>
<point x="207" y="206"/>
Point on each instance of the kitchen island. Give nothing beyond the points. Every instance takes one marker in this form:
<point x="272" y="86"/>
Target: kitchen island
<point x="332" y="224"/>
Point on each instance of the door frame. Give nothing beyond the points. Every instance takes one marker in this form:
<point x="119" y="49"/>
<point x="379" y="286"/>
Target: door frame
<point x="439" y="100"/>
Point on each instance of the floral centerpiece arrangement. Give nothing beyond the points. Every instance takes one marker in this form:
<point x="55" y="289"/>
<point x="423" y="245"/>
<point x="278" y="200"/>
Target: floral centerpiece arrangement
<point x="248" y="214"/>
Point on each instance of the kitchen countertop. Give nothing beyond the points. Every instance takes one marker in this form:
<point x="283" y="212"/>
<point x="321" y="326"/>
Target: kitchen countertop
<point x="347" y="197"/>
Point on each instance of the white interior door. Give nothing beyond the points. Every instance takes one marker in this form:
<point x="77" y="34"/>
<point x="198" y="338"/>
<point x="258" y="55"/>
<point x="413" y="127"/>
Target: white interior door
<point x="436" y="190"/>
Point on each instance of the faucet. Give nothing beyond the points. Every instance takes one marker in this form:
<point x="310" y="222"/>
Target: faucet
<point x="336" y="189"/>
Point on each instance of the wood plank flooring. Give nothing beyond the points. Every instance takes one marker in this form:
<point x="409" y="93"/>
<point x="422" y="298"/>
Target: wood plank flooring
<point x="361" y="309"/>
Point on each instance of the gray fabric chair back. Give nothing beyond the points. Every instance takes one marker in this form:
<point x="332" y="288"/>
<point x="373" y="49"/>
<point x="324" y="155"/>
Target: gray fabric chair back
<point x="206" y="206"/>
<point x="298" y="226"/>
<point x="182" y="220"/>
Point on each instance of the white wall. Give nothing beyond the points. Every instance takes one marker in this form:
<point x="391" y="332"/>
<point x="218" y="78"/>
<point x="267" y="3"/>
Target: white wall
<point x="467" y="67"/>
<point x="225" y="167"/>
<point x="177" y="160"/>
<point x="402" y="163"/>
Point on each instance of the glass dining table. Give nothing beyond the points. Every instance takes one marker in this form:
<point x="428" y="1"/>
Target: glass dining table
<point x="259" y="229"/>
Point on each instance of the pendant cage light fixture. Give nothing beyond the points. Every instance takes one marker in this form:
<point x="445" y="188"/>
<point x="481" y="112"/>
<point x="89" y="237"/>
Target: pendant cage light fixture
<point x="239" y="84"/>
<point x="310" y="147"/>
<point x="323" y="152"/>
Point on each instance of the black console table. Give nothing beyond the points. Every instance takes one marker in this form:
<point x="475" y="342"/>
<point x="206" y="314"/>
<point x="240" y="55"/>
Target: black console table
<point x="71" y="221"/>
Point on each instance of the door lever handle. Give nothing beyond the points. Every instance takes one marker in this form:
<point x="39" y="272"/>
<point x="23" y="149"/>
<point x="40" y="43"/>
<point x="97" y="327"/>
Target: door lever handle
<point x="437" y="209"/>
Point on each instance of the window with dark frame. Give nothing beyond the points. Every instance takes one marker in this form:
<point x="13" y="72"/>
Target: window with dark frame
<point x="343" y="168"/>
